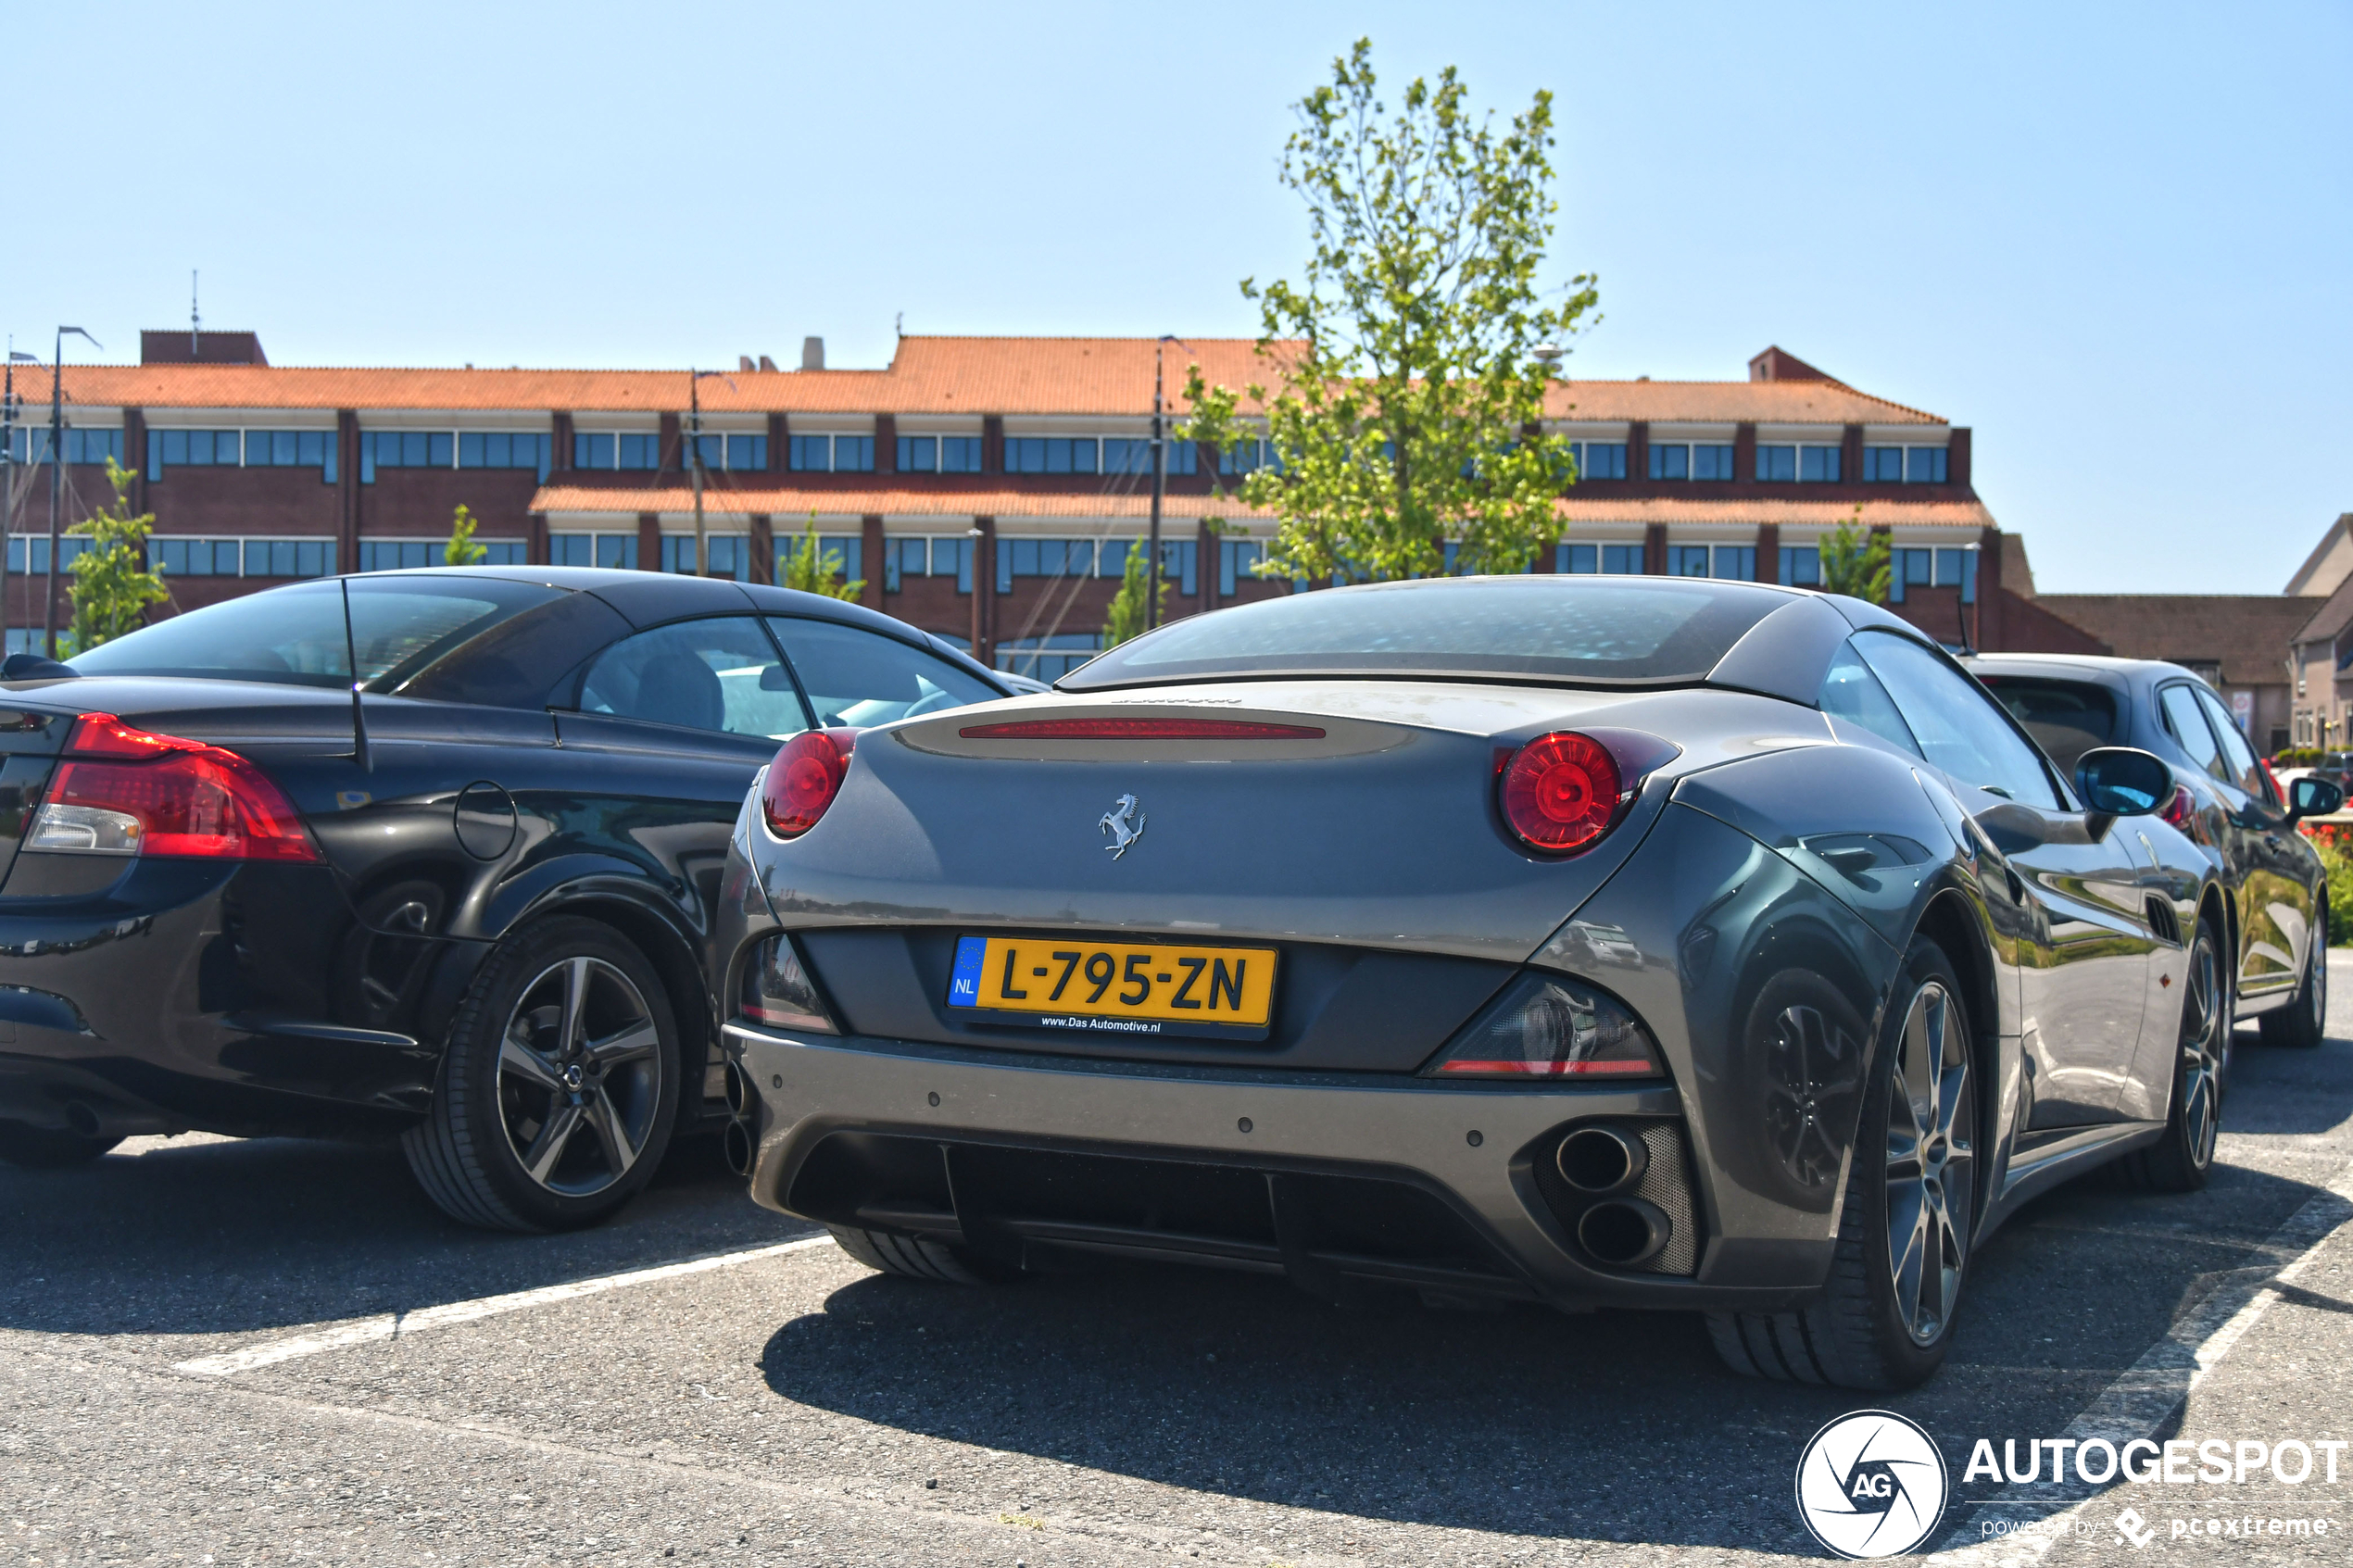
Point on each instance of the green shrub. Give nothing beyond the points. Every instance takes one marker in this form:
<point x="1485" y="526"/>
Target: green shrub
<point x="2335" y="847"/>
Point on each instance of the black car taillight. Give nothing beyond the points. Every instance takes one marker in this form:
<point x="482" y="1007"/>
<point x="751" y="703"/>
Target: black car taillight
<point x="1547" y="1026"/>
<point x="126" y="791"/>
<point x="804" y="779"/>
<point x="777" y="991"/>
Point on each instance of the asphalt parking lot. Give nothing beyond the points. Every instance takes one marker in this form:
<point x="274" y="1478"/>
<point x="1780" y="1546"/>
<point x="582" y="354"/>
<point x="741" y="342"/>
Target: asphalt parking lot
<point x="213" y="1352"/>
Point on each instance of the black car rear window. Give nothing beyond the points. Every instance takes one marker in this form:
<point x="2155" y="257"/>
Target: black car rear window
<point x="1555" y="628"/>
<point x="294" y="635"/>
<point x="2065" y="717"/>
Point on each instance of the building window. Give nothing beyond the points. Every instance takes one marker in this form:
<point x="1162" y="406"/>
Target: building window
<point x="291" y="449"/>
<point x="730" y="553"/>
<point x="1812" y="465"/>
<point x="1609" y="560"/>
<point x="601" y="450"/>
<point x="290" y="557"/>
<point x="1686" y="560"/>
<point x="1042" y="558"/>
<point x="940" y="454"/>
<point x="1676" y="461"/>
<point x="1246" y="457"/>
<point x="849" y="550"/>
<point x="1802" y="566"/>
<point x="832" y="454"/>
<point x="227" y="449"/>
<point x="612" y="550"/>
<point x="1735" y="561"/>
<point x="1904" y="465"/>
<point x="1237" y="563"/>
<point x="1050" y="453"/>
<point x="68" y="548"/>
<point x="1711" y="462"/>
<point x="195" y="558"/>
<point x="1123" y="455"/>
<point x="1670" y="462"/>
<point x="392" y="554"/>
<point x="729" y="453"/>
<point x="29" y="445"/>
<point x="500" y="449"/>
<point x="1048" y="657"/>
<point x="1938" y="569"/>
<point x="193" y="448"/>
<point x="905" y="557"/>
<point x="1601" y="459"/>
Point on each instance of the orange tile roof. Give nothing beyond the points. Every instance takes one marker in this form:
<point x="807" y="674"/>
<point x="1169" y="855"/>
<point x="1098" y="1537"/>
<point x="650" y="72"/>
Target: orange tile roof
<point x="1031" y="376"/>
<point x="892" y="501"/>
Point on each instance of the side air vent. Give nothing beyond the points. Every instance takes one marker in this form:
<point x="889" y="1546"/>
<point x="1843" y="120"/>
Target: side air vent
<point x="2162" y="924"/>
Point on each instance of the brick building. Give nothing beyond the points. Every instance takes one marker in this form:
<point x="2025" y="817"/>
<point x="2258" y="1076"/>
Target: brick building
<point x="988" y="489"/>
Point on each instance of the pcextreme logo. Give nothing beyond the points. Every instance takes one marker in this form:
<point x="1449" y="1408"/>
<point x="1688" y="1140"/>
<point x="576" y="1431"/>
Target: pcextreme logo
<point x="1871" y="1484"/>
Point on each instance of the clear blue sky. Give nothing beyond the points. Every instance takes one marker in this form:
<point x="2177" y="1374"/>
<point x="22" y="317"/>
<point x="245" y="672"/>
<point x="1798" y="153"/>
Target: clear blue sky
<point x="2117" y="241"/>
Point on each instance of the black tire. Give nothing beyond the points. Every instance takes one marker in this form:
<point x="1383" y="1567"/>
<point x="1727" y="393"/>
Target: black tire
<point x="2184" y="1157"/>
<point x="2303" y="1023"/>
<point x="913" y="1257"/>
<point x="1877" y="1325"/>
<point x="38" y="1148"/>
<point x="558" y="1127"/>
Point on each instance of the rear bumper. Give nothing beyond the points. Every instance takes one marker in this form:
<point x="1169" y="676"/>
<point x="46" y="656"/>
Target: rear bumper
<point x="203" y="995"/>
<point x="1475" y="1151"/>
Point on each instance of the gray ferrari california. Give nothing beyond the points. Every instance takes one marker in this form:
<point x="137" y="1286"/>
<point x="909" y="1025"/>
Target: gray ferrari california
<point x="1636" y="942"/>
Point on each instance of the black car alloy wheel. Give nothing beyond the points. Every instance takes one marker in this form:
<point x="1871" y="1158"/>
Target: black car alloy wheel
<point x="2303" y="1023"/>
<point x="1885" y="1314"/>
<point x="579" y="1076"/>
<point x="559" y="1087"/>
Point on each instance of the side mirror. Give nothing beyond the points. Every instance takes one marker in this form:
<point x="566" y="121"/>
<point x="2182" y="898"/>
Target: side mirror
<point x="2119" y="780"/>
<point x="2309" y="796"/>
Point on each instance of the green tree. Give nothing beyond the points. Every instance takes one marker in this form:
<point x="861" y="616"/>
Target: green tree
<point x="1125" y="619"/>
<point x="812" y="567"/>
<point x="1856" y="562"/>
<point x="1406" y="399"/>
<point x="112" y="586"/>
<point x="462" y="549"/>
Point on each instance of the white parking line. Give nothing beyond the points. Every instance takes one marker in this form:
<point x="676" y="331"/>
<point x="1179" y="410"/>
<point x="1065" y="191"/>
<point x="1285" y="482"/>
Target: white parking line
<point x="399" y="1325"/>
<point x="2152" y="1388"/>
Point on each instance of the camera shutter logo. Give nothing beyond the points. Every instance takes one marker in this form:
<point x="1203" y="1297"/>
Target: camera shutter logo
<point x="1871" y="1485"/>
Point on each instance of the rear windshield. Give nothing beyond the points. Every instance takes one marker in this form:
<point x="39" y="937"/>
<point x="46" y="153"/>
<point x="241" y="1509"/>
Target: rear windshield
<point x="2065" y="717"/>
<point x="1570" y="629"/>
<point x="294" y="635"/>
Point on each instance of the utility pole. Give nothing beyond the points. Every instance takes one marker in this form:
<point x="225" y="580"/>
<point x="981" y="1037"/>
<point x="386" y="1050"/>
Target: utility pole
<point x="694" y="462"/>
<point x="1159" y="488"/>
<point x="56" y="478"/>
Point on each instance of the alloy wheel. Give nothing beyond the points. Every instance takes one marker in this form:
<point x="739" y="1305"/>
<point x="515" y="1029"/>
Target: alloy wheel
<point x="1930" y="1163"/>
<point x="2317" y="989"/>
<point x="2204" y="1042"/>
<point x="580" y="1068"/>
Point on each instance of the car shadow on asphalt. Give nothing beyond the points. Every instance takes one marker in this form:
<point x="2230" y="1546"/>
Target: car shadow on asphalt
<point x="223" y="1236"/>
<point x="1614" y="1426"/>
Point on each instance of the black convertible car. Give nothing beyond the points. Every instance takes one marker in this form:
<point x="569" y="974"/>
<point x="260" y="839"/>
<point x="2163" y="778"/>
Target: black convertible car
<point x="1629" y="942"/>
<point x="462" y="904"/>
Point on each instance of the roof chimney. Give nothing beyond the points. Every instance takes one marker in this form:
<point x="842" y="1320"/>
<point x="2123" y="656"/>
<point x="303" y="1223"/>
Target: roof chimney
<point x="812" y="353"/>
<point x="766" y="363"/>
<point x="1775" y="364"/>
<point x="176" y="348"/>
<point x="743" y="361"/>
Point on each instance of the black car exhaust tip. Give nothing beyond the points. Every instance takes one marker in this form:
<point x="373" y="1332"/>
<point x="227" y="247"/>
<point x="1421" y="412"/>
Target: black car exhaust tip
<point x="1603" y="1159"/>
<point x="737" y="1091"/>
<point x="1624" y="1232"/>
<point x="737" y="1144"/>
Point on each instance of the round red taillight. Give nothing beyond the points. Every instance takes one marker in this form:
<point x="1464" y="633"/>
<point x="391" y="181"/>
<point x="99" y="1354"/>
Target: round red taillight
<point x="804" y="779"/>
<point x="1560" y="792"/>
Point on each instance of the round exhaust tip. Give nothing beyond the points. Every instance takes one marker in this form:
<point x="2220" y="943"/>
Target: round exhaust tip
<point x="1603" y="1159"/>
<point x="736" y="1142"/>
<point x="1624" y="1233"/>
<point x="737" y="1091"/>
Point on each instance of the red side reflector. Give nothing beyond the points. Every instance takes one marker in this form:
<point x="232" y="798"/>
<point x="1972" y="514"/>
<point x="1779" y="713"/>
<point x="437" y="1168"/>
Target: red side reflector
<point x="1138" y="728"/>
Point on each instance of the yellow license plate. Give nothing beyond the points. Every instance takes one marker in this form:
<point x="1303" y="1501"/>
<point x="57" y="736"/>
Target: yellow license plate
<point x="1129" y="987"/>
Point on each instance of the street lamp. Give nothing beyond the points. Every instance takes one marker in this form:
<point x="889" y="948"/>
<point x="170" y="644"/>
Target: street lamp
<point x="57" y="476"/>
